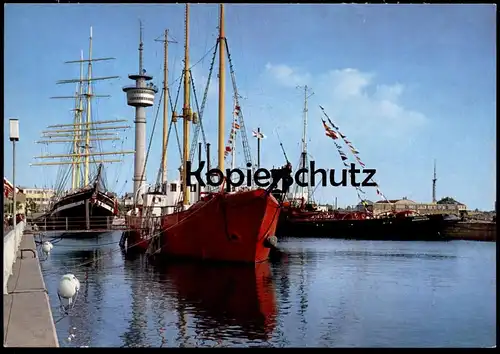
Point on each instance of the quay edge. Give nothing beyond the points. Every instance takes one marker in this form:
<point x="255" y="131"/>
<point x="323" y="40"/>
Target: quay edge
<point x="28" y="320"/>
<point x="473" y="231"/>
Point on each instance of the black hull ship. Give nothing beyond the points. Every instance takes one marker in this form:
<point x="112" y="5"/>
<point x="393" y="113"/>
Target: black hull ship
<point x="301" y="218"/>
<point x="360" y="226"/>
<point x="88" y="209"/>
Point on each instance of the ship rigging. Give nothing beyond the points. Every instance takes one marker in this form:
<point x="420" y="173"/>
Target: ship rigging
<point x="86" y="202"/>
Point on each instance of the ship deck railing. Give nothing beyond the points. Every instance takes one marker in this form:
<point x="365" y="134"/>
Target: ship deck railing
<point x="80" y="224"/>
<point x="142" y="222"/>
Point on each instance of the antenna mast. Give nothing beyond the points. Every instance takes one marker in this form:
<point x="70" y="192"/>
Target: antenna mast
<point x="434" y="184"/>
<point x="304" y="158"/>
<point x="140" y="96"/>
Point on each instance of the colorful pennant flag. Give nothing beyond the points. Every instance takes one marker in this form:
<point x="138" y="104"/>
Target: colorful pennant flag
<point x="329" y="131"/>
<point x="351" y="147"/>
<point x="234" y="128"/>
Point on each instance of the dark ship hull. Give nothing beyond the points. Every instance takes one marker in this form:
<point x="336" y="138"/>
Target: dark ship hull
<point x="404" y="228"/>
<point x="90" y="210"/>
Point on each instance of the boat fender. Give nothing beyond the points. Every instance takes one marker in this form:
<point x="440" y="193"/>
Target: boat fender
<point x="47" y="247"/>
<point x="69" y="285"/>
<point x="271" y="242"/>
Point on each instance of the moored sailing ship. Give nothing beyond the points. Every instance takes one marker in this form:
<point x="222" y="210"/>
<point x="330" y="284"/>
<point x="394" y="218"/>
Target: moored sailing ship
<point x="88" y="208"/>
<point x="87" y="205"/>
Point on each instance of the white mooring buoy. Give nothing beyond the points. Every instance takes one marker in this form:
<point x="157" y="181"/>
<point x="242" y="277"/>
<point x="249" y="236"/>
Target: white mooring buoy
<point x="68" y="286"/>
<point x="47" y="247"/>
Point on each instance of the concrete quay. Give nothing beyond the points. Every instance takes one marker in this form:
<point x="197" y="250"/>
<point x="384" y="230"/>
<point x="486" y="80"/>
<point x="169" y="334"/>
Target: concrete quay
<point x="473" y="231"/>
<point x="27" y="316"/>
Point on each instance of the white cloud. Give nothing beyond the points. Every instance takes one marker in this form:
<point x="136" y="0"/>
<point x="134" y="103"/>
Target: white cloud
<point x="288" y="76"/>
<point x="389" y="92"/>
<point x="355" y="101"/>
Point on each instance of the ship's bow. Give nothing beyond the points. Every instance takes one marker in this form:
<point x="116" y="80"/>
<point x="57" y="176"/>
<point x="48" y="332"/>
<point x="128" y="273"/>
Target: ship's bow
<point x="235" y="227"/>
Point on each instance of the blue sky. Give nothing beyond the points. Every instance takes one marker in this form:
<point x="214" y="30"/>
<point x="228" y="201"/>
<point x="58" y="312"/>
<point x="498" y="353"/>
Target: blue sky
<point x="406" y="85"/>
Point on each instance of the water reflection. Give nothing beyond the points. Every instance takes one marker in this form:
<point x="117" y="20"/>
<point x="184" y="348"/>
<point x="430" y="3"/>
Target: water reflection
<point x="88" y="266"/>
<point x="135" y="335"/>
<point x="317" y="293"/>
<point x="226" y="302"/>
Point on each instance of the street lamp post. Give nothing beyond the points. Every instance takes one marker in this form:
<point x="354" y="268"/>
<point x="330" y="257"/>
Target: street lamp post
<point x="14" y="136"/>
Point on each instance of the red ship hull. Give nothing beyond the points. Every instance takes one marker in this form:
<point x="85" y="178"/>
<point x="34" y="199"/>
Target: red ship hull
<point x="136" y="239"/>
<point x="223" y="296"/>
<point x="224" y="227"/>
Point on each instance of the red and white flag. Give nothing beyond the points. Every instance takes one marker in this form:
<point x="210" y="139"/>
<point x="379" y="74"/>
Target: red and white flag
<point x="258" y="135"/>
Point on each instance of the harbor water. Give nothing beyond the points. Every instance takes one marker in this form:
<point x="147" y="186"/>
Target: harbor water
<point x="318" y="293"/>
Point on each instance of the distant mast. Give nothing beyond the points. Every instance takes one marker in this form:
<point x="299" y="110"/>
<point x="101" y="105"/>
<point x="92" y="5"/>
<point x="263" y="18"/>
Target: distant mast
<point x="140" y="96"/>
<point x="434" y="180"/>
<point x="305" y="191"/>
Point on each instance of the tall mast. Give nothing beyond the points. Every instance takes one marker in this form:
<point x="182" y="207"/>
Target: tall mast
<point x="166" y="97"/>
<point x="75" y="144"/>
<point x="307" y="94"/>
<point x="140" y="96"/>
<point x="75" y="180"/>
<point x="79" y="122"/>
<point x="222" y="86"/>
<point x="434" y="184"/>
<point x="186" y="112"/>
<point x="89" y="96"/>
<point x="165" y="112"/>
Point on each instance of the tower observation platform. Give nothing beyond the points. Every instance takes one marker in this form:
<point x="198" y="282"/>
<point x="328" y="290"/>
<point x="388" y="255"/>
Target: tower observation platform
<point x="140" y="96"/>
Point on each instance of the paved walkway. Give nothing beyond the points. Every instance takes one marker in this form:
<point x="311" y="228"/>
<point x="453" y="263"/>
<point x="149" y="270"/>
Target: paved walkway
<point x="27" y="317"/>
